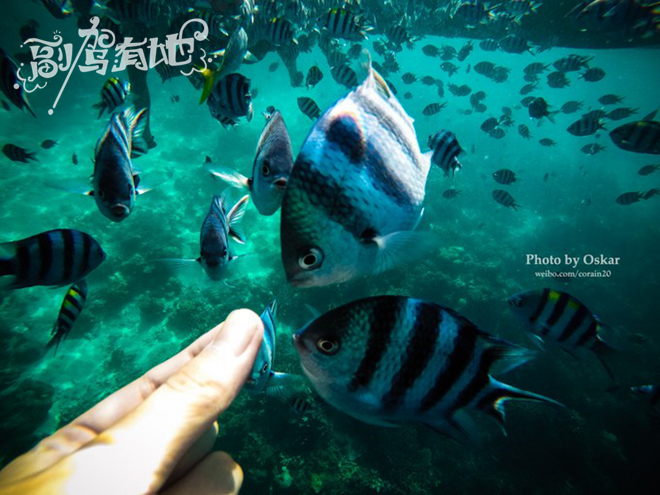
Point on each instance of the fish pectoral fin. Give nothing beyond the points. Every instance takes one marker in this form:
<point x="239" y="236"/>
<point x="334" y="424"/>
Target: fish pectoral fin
<point x="249" y="58"/>
<point x="234" y="217"/>
<point x="458" y="427"/>
<point x="286" y="385"/>
<point x="400" y="247"/>
<point x="144" y="188"/>
<point x="537" y="340"/>
<point x="180" y="266"/>
<point x="81" y="188"/>
<point x="231" y="177"/>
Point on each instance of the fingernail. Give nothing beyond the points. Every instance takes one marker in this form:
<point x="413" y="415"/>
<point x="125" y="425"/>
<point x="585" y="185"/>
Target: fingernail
<point x="238" y="330"/>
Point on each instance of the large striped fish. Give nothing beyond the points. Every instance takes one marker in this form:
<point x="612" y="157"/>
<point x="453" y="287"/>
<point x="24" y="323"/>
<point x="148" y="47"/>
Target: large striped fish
<point x="72" y="306"/>
<point x="9" y="80"/>
<point x="231" y="98"/>
<point x="445" y="149"/>
<point x="115" y="182"/>
<point x="388" y="360"/>
<point x="559" y="317"/>
<point x="271" y="168"/>
<point x="113" y="95"/>
<point x="355" y="194"/>
<point x="53" y="258"/>
<point x="642" y="136"/>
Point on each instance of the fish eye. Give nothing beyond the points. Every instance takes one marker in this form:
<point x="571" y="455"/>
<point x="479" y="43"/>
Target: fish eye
<point x="101" y="194"/>
<point x="224" y="252"/>
<point x="265" y="168"/>
<point x="311" y="259"/>
<point x="327" y="347"/>
<point x="264" y="368"/>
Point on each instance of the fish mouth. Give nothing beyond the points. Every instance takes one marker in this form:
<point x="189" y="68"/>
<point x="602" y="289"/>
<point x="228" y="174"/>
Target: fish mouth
<point x="118" y="212"/>
<point x="299" y="344"/>
<point x="280" y="184"/>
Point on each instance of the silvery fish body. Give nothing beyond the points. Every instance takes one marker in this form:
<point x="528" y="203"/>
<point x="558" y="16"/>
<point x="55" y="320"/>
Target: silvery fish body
<point x="388" y="360"/>
<point x="234" y="54"/>
<point x="114" y="180"/>
<point x="356" y="190"/>
<point x="272" y="165"/>
<point x="262" y="370"/>
<point x="220" y="223"/>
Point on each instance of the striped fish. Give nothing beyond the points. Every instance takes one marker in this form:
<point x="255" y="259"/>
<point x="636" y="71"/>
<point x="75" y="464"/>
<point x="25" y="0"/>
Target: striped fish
<point x="572" y="63"/>
<point x="280" y="31"/>
<point x="559" y="317"/>
<point x="9" y="80"/>
<point x="115" y="182"/>
<point x="390" y="360"/>
<point x="309" y="107"/>
<point x="445" y="151"/>
<point x="621" y="113"/>
<point x="504" y="176"/>
<point x="300" y="406"/>
<point x="648" y="169"/>
<point x="72" y="306"/>
<point x="433" y="108"/>
<point x="344" y="75"/>
<point x="585" y="126"/>
<point x="409" y="78"/>
<point x="113" y="95"/>
<point x="53" y="258"/>
<point x="505" y="199"/>
<point x="642" y="136"/>
<point x="524" y="132"/>
<point x="610" y="99"/>
<point x="231" y="97"/>
<point x="341" y="23"/>
<point x="314" y="76"/>
<point x="18" y="154"/>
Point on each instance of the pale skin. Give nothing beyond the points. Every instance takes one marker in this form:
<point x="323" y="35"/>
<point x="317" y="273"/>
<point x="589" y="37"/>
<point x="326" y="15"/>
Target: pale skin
<point x="154" y="435"/>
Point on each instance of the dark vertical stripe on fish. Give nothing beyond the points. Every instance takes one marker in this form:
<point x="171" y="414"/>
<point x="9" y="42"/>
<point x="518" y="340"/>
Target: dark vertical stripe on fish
<point x="74" y="302"/>
<point x="577" y="320"/>
<point x="419" y="352"/>
<point x="541" y="306"/>
<point x="557" y="311"/>
<point x="45" y="254"/>
<point x="479" y="381"/>
<point x="457" y="362"/>
<point x="23" y="259"/>
<point x="69" y="254"/>
<point x="591" y="332"/>
<point x="387" y="316"/>
<point x="86" y="253"/>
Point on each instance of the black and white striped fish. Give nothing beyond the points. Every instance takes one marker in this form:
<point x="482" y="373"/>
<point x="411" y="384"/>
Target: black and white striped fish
<point x="559" y="317"/>
<point x="9" y="80"/>
<point x="279" y="31"/>
<point x="113" y="95"/>
<point x="445" y="151"/>
<point x="314" y="76"/>
<point x="524" y="132"/>
<point x="409" y="78"/>
<point x="344" y="75"/>
<point x="642" y="136"/>
<point x="433" y="108"/>
<point x="309" y="107"/>
<point x="115" y="182"/>
<point x="585" y="126"/>
<point x="72" y="306"/>
<point x="505" y="199"/>
<point x="231" y="97"/>
<point x="53" y="258"/>
<point x="342" y="23"/>
<point x="391" y="360"/>
<point x="18" y="154"/>
<point x="504" y="176"/>
<point x="572" y="63"/>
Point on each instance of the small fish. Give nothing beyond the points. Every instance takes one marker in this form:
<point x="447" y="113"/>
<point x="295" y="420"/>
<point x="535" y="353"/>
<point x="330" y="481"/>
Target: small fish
<point x="497" y="133"/>
<point x="524" y="132"/>
<point x="465" y="51"/>
<point x="648" y="169"/>
<point x="489" y="45"/>
<point x="621" y="113"/>
<point x="10" y="84"/>
<point x="409" y="78"/>
<point x="309" y="107"/>
<point x="558" y="80"/>
<point x="280" y="31"/>
<point x="593" y="74"/>
<point x="430" y="50"/>
<point x="54" y="258"/>
<point x="610" y="99"/>
<point x="300" y="406"/>
<point x="571" y="106"/>
<point x="341" y="23"/>
<point x="505" y="199"/>
<point x="113" y="95"/>
<point x="514" y="43"/>
<point x="449" y="68"/>
<point x="559" y="317"/>
<point x="270" y="170"/>
<point x="72" y="306"/>
<point x="592" y="149"/>
<point x="572" y="63"/>
<point x="448" y="53"/>
<point x="450" y="193"/>
<point x="462" y="90"/>
<point x="330" y="230"/>
<point x="48" y="144"/>
<point x="389" y="360"/>
<point x="489" y="124"/>
<point x="642" y="136"/>
<point x="535" y="68"/>
<point x="344" y="75"/>
<point x="433" y="108"/>
<point x="504" y="176"/>
<point x="314" y="76"/>
<point x="231" y="97"/>
<point x="630" y="198"/>
<point x="547" y="142"/>
<point x="428" y="80"/>
<point x="445" y="151"/>
<point x="175" y="98"/>
<point x="585" y="126"/>
<point x="273" y="67"/>
<point x="18" y="154"/>
<point x="74" y="159"/>
<point x="528" y="88"/>
<point x="539" y="108"/>
<point x="262" y="369"/>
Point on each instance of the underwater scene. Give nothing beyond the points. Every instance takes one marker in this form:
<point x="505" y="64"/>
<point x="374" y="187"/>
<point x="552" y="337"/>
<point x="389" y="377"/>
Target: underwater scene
<point x="445" y="212"/>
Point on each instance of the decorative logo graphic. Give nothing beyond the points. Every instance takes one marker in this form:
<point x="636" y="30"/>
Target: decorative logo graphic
<point x="50" y="58"/>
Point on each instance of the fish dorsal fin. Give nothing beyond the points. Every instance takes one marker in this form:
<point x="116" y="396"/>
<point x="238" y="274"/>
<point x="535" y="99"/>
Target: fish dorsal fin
<point x="650" y="116"/>
<point x="234" y="217"/>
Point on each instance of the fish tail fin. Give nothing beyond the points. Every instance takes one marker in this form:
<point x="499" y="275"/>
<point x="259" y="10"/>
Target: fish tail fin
<point x="101" y="107"/>
<point x="234" y="217"/>
<point x="604" y="352"/>
<point x="55" y="340"/>
<point x="493" y="401"/>
<point x="231" y="177"/>
<point x="31" y="155"/>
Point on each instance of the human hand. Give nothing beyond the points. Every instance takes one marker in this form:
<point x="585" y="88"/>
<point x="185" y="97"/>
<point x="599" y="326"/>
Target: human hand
<point x="155" y="434"/>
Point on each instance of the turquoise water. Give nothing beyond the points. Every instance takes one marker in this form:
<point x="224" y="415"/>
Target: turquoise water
<point x="138" y="311"/>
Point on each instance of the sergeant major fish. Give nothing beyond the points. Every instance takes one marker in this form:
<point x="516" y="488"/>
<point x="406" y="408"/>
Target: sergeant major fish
<point x="557" y="316"/>
<point x="113" y="94"/>
<point x="72" y="306"/>
<point x="356" y="190"/>
<point x="271" y="169"/>
<point x="391" y="360"/>
<point x="53" y="258"/>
